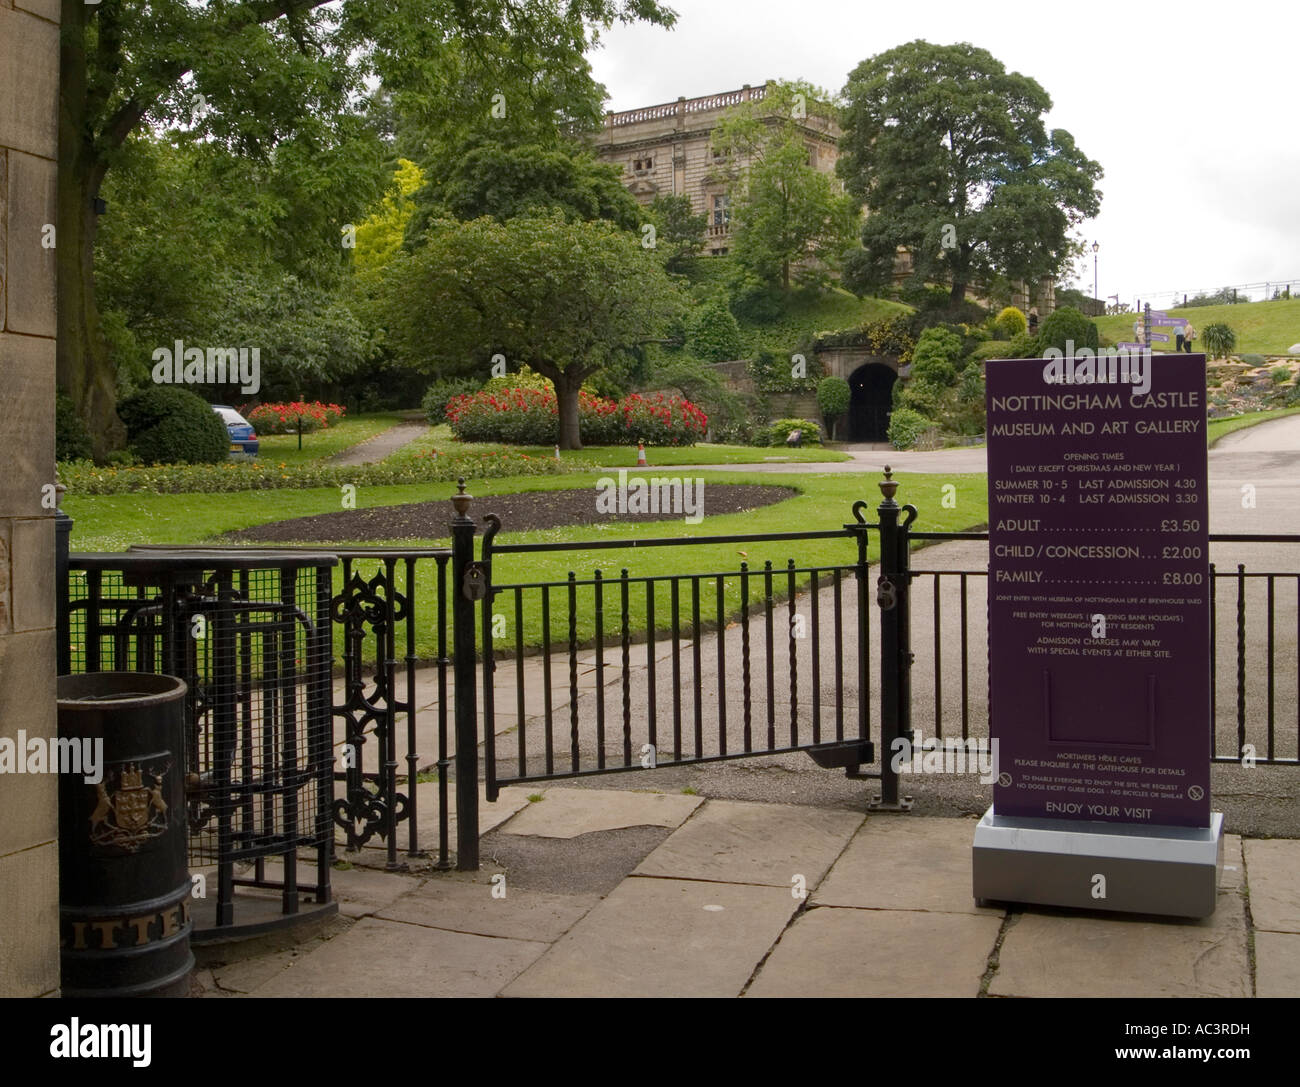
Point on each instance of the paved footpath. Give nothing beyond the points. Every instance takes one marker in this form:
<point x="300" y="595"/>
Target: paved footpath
<point x="773" y="882"/>
<point x="610" y="893"/>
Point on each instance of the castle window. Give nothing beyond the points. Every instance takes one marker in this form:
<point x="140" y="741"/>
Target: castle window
<point x="721" y="210"/>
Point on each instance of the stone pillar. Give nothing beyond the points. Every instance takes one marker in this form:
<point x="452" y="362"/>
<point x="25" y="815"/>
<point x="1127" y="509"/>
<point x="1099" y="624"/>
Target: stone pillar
<point x="29" y="859"/>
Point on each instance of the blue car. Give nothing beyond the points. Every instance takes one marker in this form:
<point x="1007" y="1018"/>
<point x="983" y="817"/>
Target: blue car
<point x="243" y="438"/>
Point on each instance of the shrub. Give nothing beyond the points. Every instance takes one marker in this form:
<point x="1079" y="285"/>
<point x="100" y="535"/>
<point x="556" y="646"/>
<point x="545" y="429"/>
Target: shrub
<point x="71" y="438"/>
<point x="436" y="396"/>
<point x="1219" y="340"/>
<point x="905" y="426"/>
<point x="286" y="418"/>
<point x="1010" y="323"/>
<point x="1280" y="374"/>
<point x="715" y="335"/>
<point x="523" y="378"/>
<point x="833" y="398"/>
<point x="1063" y="325"/>
<point x="530" y="416"/>
<point x="166" y="424"/>
<point x="662" y="420"/>
<point x="777" y="431"/>
<point x="1023" y="346"/>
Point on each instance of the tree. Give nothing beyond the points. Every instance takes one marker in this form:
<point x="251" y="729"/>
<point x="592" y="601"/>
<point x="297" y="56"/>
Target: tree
<point x="566" y="298"/>
<point x="679" y="233"/>
<point x="281" y="82"/>
<point x="380" y="234"/>
<point x="506" y="180"/>
<point x="950" y="155"/>
<point x="790" y="219"/>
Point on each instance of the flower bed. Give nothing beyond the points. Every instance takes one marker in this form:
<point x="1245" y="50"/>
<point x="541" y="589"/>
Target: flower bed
<point x="83" y="477"/>
<point x="530" y="416"/>
<point x="286" y="418"/>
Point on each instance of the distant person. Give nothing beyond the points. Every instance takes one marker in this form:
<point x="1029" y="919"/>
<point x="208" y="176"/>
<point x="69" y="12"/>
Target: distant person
<point x="1033" y="321"/>
<point x="1178" y="337"/>
<point x="1188" y="334"/>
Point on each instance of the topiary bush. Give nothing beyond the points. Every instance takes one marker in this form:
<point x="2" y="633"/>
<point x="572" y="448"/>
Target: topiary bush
<point x="715" y="335"/>
<point x="1010" y="323"/>
<point x="436" y="396"/>
<point x="905" y="426"/>
<point x="71" y="438"/>
<point x="1064" y="325"/>
<point x="833" y="398"/>
<point x="166" y="424"/>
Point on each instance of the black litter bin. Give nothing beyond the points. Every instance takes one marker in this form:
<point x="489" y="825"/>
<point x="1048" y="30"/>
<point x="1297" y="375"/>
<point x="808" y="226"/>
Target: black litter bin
<point x="124" y="883"/>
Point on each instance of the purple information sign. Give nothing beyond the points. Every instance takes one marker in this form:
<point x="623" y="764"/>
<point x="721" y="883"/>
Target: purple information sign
<point x="1099" y="621"/>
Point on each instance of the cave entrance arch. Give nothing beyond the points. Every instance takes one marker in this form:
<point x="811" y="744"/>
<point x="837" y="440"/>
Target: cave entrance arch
<point x="872" y="388"/>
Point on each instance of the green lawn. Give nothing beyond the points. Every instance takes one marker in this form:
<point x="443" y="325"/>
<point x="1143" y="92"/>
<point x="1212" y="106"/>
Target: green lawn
<point x="1219" y="427"/>
<point x="624" y="456"/>
<point x="1264" y="328"/>
<point x="283" y="448"/>
<point x="830" y="311"/>
<point x="824" y="502"/>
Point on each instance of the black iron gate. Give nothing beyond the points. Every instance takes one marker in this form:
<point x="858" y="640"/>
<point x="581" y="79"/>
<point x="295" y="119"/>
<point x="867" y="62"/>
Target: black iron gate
<point x="674" y="669"/>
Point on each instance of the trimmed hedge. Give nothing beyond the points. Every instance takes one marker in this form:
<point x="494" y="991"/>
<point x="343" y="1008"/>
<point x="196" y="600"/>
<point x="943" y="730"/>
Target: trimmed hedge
<point x="83" y="477"/>
<point x="166" y="424"/>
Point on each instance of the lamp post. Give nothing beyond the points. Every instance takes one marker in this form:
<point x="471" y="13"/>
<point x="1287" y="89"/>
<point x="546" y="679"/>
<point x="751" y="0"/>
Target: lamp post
<point x="1095" y="247"/>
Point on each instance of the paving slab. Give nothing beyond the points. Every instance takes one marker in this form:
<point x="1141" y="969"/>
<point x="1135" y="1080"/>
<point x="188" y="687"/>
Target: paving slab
<point x="884" y="953"/>
<point x="905" y="863"/>
<point x="1273" y="870"/>
<point x="663" y="938"/>
<point x="509" y="801"/>
<point x="566" y="813"/>
<point x="460" y="906"/>
<point x="243" y="977"/>
<point x="731" y="841"/>
<point x="1277" y="964"/>
<point x="376" y="958"/>
<point x="1056" y="953"/>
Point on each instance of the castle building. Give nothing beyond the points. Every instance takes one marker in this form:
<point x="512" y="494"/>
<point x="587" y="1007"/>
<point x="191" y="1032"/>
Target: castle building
<point x="667" y="150"/>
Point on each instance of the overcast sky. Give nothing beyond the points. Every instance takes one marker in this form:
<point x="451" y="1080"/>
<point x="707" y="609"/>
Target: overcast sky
<point x="1210" y="89"/>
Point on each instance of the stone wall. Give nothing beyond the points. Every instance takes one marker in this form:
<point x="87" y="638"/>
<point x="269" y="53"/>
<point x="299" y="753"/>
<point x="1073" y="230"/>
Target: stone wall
<point x="29" y="863"/>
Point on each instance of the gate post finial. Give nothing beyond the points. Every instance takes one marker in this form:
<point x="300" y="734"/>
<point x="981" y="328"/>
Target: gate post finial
<point x="460" y="502"/>
<point x="888" y="487"/>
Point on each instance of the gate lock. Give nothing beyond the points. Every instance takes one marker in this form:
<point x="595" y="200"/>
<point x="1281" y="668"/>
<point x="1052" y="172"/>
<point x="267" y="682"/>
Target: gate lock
<point x="474" y="582"/>
<point x="886" y="595"/>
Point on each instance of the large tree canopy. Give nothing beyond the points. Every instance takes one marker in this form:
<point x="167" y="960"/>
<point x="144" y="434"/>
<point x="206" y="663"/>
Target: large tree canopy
<point x="565" y="298"/>
<point x="949" y="153"/>
<point x="284" y="84"/>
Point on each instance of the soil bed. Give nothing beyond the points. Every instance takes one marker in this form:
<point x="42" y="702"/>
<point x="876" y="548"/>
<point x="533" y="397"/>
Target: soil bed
<point x="518" y="513"/>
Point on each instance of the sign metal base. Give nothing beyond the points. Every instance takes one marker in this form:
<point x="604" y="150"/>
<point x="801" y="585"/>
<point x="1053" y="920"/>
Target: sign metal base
<point x="1172" y="871"/>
